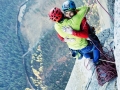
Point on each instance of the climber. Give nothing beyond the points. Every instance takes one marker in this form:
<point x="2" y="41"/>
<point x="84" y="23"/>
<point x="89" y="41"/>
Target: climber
<point x="73" y="41"/>
<point x="69" y="9"/>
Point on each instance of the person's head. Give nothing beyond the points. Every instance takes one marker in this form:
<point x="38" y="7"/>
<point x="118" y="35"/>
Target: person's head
<point x="69" y="8"/>
<point x="55" y="14"/>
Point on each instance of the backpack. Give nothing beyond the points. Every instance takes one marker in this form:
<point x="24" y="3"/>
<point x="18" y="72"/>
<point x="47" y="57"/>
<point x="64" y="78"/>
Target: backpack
<point x="92" y="34"/>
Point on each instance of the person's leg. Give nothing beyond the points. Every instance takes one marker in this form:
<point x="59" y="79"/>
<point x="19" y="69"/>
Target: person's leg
<point x="96" y="55"/>
<point x="87" y="51"/>
<point x="91" y="49"/>
<point x="88" y="55"/>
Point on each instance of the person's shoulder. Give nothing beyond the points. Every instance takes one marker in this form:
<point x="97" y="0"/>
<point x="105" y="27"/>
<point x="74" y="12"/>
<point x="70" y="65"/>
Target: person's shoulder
<point x="62" y="22"/>
<point x="78" y="8"/>
<point x="58" y="25"/>
<point x="82" y="9"/>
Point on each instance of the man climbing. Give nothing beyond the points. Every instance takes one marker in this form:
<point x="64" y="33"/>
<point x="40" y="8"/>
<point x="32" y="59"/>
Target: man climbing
<point x="69" y="9"/>
<point x="75" y="43"/>
<point x="105" y="68"/>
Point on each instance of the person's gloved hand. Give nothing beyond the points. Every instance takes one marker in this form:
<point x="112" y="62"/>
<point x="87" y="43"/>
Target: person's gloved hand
<point x="89" y="39"/>
<point x="69" y="39"/>
<point x="67" y="29"/>
<point x="76" y="54"/>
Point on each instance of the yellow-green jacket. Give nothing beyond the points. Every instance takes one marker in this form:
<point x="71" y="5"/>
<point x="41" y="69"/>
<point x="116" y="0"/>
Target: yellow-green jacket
<point x="74" y="22"/>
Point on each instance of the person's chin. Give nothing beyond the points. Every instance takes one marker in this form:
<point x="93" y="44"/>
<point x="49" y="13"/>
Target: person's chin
<point x="70" y="17"/>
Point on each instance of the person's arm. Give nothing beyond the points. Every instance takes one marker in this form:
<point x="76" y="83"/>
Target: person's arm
<point x="79" y="8"/>
<point x="76" y="20"/>
<point x="65" y="39"/>
<point x="83" y="33"/>
<point x="61" y="38"/>
<point x="84" y="29"/>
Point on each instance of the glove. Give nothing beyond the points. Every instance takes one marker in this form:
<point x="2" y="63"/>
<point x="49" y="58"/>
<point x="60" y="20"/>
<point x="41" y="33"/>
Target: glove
<point x="89" y="39"/>
<point x="77" y="55"/>
<point x="67" y="29"/>
<point x="69" y="39"/>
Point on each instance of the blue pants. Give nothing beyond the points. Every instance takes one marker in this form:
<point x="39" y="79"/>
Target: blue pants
<point x="90" y="51"/>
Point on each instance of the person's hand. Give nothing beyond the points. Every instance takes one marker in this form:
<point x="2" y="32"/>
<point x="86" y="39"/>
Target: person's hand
<point x="69" y="39"/>
<point x="67" y="29"/>
<point x="89" y="39"/>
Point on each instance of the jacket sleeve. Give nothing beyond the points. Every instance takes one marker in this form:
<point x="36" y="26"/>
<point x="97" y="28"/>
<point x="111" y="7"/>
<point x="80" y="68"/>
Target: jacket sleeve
<point x="60" y="37"/>
<point x="84" y="29"/>
<point x="77" y="19"/>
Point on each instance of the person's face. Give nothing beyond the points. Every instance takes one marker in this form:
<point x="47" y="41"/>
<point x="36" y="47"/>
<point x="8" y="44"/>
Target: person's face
<point x="69" y="14"/>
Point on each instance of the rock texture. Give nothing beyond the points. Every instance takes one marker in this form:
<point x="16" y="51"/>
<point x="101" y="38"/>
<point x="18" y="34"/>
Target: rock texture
<point x="107" y="39"/>
<point x="117" y="39"/>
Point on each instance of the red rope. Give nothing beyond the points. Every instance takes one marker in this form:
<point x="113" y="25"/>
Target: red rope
<point x="105" y="10"/>
<point x="87" y="65"/>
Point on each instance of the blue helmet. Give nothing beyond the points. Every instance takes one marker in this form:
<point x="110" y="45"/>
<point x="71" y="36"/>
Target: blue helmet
<point x="68" y="5"/>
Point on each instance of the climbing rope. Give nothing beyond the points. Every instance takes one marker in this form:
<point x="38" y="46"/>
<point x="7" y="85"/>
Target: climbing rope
<point x="106" y="11"/>
<point x="106" y="69"/>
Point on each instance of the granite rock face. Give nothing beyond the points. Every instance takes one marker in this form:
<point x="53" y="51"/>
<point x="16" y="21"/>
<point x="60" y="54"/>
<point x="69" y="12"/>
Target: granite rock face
<point x="117" y="38"/>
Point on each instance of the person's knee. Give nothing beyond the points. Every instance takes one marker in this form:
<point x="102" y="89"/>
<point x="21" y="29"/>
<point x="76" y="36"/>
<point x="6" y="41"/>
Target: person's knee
<point x="87" y="55"/>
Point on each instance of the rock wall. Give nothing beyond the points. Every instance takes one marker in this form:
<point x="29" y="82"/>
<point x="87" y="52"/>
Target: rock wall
<point x="117" y="38"/>
<point x="82" y="79"/>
